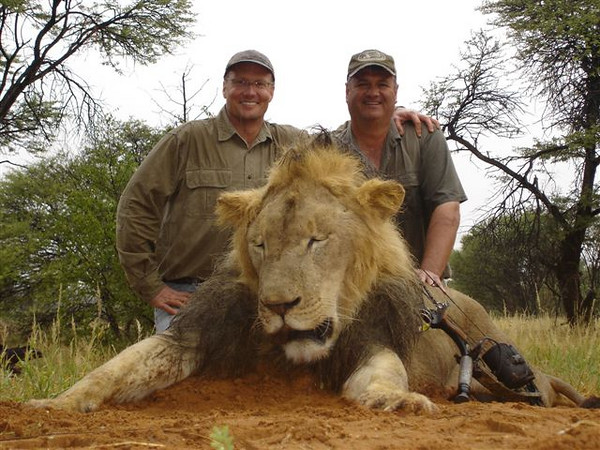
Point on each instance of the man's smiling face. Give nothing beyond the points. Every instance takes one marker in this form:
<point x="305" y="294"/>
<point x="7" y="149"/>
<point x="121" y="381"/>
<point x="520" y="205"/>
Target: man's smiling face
<point x="371" y="94"/>
<point x="244" y="99"/>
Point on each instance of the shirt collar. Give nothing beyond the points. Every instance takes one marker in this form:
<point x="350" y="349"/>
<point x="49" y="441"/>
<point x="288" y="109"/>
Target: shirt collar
<point x="348" y="140"/>
<point x="225" y="130"/>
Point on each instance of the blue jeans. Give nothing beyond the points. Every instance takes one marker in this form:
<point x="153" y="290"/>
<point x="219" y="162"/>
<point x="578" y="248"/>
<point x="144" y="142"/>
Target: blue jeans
<point x="162" y="319"/>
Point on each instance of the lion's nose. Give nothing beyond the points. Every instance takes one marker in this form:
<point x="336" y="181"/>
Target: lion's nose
<point x="282" y="308"/>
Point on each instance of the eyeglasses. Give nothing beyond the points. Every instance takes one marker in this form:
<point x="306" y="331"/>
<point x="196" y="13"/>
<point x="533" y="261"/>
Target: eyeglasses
<point x="243" y="84"/>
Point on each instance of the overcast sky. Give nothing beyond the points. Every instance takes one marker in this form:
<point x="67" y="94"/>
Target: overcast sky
<point x="309" y="43"/>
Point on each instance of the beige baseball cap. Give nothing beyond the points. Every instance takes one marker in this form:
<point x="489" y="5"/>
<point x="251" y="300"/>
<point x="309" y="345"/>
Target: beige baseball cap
<point x="251" y="56"/>
<point x="368" y="58"/>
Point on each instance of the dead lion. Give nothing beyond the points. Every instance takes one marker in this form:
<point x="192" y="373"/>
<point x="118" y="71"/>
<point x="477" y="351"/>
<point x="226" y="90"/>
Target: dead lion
<point x="318" y="278"/>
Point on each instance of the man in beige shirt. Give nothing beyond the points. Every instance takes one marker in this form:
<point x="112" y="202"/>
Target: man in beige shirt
<point x="167" y="239"/>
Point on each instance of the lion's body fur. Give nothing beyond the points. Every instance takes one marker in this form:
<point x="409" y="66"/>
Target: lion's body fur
<point x="318" y="278"/>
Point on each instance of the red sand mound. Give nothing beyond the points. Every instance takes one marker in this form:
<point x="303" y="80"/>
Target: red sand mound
<point x="267" y="413"/>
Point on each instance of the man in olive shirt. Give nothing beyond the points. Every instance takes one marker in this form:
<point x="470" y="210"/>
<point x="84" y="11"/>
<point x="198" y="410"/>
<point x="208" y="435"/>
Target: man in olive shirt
<point x="166" y="234"/>
<point x="167" y="239"/>
<point x="430" y="214"/>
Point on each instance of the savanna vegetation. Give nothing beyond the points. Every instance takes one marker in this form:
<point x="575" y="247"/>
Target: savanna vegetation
<point x="57" y="214"/>
<point x="58" y="236"/>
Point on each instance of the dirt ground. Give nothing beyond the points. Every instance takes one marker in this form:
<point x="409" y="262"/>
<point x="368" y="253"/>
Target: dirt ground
<point x="263" y="412"/>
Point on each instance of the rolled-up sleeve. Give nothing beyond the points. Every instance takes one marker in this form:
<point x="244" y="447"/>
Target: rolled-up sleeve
<point x="440" y="182"/>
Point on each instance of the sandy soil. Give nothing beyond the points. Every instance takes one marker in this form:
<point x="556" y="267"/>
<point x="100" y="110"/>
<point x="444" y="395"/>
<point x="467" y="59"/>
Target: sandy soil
<point x="267" y="413"/>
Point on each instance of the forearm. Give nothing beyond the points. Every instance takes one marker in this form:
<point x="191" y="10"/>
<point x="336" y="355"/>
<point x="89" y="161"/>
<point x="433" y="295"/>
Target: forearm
<point x="441" y="236"/>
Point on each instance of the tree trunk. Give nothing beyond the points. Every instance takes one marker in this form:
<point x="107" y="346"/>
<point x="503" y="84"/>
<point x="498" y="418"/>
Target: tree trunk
<point x="568" y="275"/>
<point x="108" y="313"/>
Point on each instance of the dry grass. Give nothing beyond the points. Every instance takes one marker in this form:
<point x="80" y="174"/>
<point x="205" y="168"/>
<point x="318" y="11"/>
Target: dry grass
<point x="60" y="365"/>
<point x="571" y="353"/>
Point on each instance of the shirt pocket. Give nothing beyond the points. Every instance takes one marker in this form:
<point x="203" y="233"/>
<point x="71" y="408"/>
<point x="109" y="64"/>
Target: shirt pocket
<point x="204" y="187"/>
<point x="408" y="179"/>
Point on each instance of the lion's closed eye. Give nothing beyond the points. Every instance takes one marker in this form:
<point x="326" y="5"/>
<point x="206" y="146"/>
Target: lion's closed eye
<point x="315" y="241"/>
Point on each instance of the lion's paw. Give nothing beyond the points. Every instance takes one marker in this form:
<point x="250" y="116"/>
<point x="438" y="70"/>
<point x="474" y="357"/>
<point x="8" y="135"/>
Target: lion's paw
<point x="63" y="404"/>
<point x="394" y="401"/>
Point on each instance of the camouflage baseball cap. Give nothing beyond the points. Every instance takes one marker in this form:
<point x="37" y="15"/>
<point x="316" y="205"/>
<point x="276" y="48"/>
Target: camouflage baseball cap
<point x="251" y="56"/>
<point x="368" y="58"/>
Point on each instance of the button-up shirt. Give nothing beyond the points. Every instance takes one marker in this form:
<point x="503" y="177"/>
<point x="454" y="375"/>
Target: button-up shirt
<point x="165" y="219"/>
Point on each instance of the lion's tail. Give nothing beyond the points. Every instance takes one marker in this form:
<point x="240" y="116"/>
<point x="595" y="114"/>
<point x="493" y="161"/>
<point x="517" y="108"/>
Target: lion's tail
<point x="564" y="388"/>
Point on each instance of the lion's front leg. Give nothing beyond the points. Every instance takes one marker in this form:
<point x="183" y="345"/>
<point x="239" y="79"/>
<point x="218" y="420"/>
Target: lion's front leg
<point x="153" y="363"/>
<point x="382" y="383"/>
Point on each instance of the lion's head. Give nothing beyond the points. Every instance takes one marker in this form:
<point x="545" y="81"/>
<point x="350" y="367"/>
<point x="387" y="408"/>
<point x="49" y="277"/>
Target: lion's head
<point x="312" y="243"/>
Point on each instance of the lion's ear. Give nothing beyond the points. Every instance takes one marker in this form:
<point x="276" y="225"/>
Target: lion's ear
<point x="237" y="208"/>
<point x="384" y="198"/>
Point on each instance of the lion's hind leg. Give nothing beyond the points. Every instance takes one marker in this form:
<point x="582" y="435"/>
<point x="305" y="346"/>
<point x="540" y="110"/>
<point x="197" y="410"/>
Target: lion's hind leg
<point x="382" y="383"/>
<point x="153" y="363"/>
<point x="555" y="391"/>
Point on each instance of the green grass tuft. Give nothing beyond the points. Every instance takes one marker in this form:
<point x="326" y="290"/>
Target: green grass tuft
<point x="221" y="439"/>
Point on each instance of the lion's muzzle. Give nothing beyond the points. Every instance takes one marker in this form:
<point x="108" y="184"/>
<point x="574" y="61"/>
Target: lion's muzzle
<point x="290" y="331"/>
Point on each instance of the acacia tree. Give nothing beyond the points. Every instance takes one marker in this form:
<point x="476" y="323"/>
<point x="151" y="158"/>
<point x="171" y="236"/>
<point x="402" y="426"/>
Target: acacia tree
<point x="557" y="57"/>
<point x="38" y="90"/>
